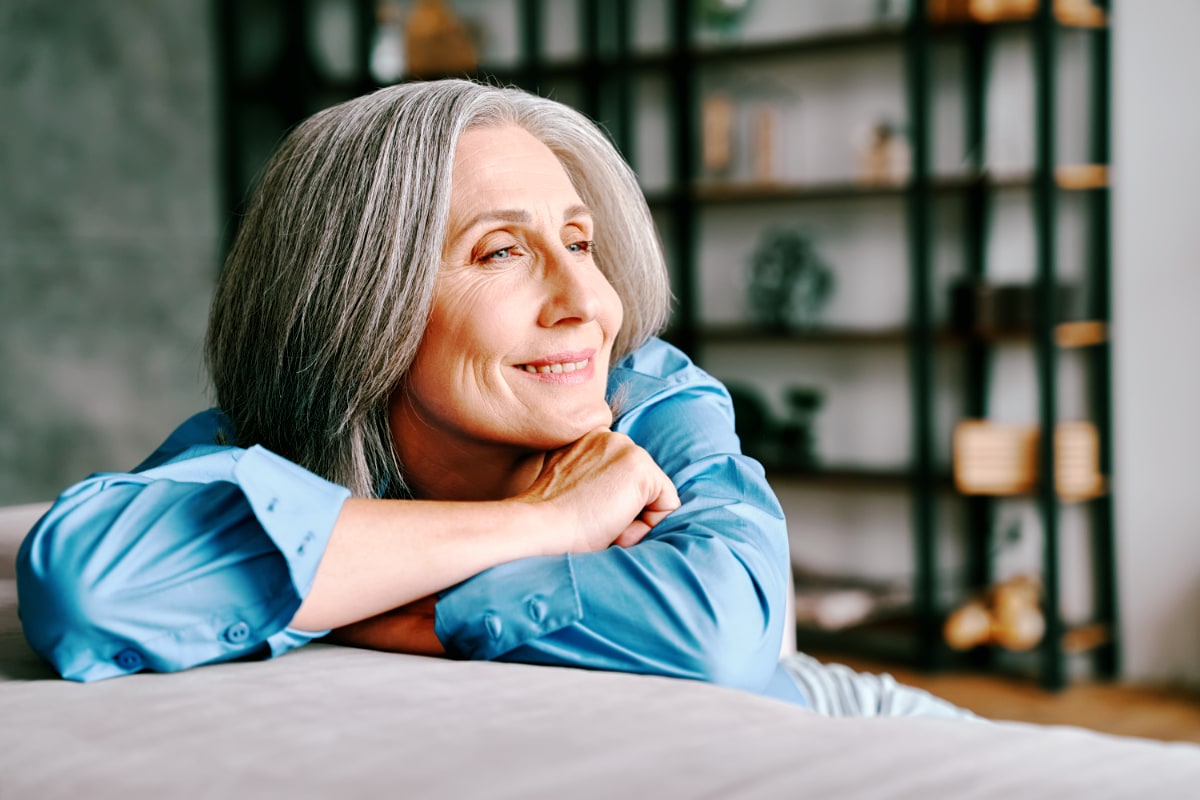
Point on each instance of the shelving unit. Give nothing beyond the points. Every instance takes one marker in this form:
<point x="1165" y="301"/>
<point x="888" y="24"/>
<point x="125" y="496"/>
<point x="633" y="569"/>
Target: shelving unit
<point x="1047" y="181"/>
<point x="604" y="76"/>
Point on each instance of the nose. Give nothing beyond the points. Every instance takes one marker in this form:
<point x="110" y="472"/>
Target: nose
<point x="570" y="290"/>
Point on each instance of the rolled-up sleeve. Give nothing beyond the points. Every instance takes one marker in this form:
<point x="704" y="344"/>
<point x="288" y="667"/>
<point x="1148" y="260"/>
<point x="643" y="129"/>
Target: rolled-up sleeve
<point x="205" y="558"/>
<point x="702" y="597"/>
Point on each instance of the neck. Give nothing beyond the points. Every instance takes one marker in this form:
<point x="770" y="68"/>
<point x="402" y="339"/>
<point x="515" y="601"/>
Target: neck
<point x="455" y="469"/>
<point x="481" y="474"/>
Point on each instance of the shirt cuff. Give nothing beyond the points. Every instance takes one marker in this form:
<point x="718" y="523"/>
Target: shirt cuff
<point x="290" y="638"/>
<point x="483" y="618"/>
<point x="296" y="508"/>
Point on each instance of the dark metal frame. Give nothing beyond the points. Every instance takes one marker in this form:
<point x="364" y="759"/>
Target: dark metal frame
<point x="608" y="70"/>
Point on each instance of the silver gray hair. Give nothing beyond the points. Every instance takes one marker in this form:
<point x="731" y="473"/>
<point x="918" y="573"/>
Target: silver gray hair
<point x="325" y="295"/>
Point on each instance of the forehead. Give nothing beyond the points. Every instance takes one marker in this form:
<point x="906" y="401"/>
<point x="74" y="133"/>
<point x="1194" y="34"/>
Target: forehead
<point x="505" y="160"/>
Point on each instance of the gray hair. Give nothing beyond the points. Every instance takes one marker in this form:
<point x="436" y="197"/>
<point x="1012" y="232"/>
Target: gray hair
<point x="326" y="292"/>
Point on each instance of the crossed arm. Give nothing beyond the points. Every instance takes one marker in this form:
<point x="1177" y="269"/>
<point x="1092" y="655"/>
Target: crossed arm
<point x="175" y="562"/>
<point x="701" y="596"/>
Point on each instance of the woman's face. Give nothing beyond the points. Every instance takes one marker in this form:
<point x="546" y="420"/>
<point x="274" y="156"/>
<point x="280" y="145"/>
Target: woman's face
<point x="521" y="331"/>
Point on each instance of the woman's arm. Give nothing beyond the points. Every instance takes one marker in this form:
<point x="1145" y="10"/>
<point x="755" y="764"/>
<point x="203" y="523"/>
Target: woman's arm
<point x="387" y="553"/>
<point x="703" y="596"/>
<point x="201" y="558"/>
<point x="210" y="556"/>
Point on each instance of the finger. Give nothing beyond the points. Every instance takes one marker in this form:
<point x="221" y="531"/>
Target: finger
<point x="633" y="533"/>
<point x="667" y="499"/>
<point x="652" y="518"/>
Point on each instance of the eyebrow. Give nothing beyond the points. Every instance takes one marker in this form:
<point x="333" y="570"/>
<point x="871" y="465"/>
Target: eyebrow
<point x="517" y="216"/>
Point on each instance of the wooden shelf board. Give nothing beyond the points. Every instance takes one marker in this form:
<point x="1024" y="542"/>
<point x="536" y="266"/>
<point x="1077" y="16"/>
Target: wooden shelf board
<point x="758" y="335"/>
<point x="741" y="192"/>
<point x="1068" y="335"/>
<point x="1084" y="16"/>
<point x="834" y="39"/>
<point x="842" y="475"/>
<point x="1078" y="177"/>
<point x="852" y="477"/>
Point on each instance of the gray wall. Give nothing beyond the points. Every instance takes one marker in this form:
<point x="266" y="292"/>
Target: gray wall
<point x="1156" y="291"/>
<point x="108" y="232"/>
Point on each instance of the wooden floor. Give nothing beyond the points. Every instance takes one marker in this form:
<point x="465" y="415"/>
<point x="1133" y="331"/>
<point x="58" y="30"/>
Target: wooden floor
<point x="1152" y="713"/>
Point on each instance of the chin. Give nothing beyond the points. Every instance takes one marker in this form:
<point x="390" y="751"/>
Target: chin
<point x="564" y="434"/>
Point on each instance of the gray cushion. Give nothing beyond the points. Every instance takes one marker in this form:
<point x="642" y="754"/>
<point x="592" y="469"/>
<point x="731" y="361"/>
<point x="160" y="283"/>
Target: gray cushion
<point x="326" y="721"/>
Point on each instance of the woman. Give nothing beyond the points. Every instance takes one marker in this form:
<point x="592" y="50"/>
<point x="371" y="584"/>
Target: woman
<point x="439" y="295"/>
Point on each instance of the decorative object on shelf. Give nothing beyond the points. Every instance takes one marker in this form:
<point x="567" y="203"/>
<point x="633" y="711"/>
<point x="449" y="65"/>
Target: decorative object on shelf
<point x="789" y="442"/>
<point x="997" y="459"/>
<point x="1068" y="12"/>
<point x="764" y="132"/>
<point x="437" y="43"/>
<point x="1083" y="333"/>
<point x="994" y="459"/>
<point x="796" y="436"/>
<point x="835" y="603"/>
<point x="1008" y="615"/>
<point x="752" y="419"/>
<point x="982" y="309"/>
<point x="1077" y="461"/>
<point x="890" y="10"/>
<point x="950" y="11"/>
<point x="723" y="16"/>
<point x="1079" y="12"/>
<point x="745" y="131"/>
<point x="789" y="283"/>
<point x="886" y="157"/>
<point x="332" y="40"/>
<point x="387" y="44"/>
<point x="717" y="139"/>
<point x="1079" y="177"/>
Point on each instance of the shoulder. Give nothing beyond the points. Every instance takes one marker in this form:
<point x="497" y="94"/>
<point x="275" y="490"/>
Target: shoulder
<point x="201" y="434"/>
<point x="656" y="373"/>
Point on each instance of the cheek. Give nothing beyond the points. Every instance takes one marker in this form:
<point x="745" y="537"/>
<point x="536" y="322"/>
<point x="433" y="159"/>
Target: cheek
<point x="613" y="313"/>
<point x="465" y="315"/>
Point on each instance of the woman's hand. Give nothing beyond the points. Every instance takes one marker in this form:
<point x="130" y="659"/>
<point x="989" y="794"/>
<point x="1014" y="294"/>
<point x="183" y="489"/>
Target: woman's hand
<point x="600" y="490"/>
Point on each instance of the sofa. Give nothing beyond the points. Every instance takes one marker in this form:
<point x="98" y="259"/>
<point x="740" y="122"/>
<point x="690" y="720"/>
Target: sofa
<point x="328" y="721"/>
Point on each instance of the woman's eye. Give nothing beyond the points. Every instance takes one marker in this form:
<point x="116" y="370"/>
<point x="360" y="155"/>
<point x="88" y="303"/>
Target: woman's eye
<point x="582" y="247"/>
<point x="499" y="255"/>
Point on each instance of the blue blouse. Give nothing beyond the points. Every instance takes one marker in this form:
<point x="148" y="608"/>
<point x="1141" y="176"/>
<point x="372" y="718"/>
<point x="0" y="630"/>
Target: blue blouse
<point x="204" y="552"/>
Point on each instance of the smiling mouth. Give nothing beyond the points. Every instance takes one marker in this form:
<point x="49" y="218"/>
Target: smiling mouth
<point x="555" y="367"/>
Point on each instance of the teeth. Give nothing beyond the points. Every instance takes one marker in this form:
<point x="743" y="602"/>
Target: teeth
<point x="546" y="369"/>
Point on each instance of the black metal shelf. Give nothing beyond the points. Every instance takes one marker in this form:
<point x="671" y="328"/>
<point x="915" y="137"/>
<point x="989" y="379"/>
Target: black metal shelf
<point x="608" y="79"/>
<point x="843" y="476"/>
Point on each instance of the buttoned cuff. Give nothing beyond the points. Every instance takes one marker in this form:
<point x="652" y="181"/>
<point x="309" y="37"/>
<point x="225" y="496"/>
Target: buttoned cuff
<point x="290" y="638"/>
<point x="484" y="618"/>
<point x="296" y="508"/>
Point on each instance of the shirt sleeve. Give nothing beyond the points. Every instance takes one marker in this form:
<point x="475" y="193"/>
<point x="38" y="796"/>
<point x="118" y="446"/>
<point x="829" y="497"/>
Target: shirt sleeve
<point x="202" y="559"/>
<point x="702" y="597"/>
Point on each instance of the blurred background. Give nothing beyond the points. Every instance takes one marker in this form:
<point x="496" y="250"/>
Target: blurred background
<point x="910" y="235"/>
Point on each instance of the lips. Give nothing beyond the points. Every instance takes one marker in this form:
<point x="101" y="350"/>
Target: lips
<point x="560" y="363"/>
<point x="556" y="367"/>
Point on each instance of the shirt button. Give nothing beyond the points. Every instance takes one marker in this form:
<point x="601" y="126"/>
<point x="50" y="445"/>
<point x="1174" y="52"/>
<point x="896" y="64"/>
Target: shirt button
<point x="537" y="608"/>
<point x="129" y="659"/>
<point x="237" y="633"/>
<point x="494" y="626"/>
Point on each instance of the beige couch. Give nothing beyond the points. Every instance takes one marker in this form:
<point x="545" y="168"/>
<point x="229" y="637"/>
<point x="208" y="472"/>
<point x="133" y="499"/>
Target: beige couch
<point x="333" y="722"/>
